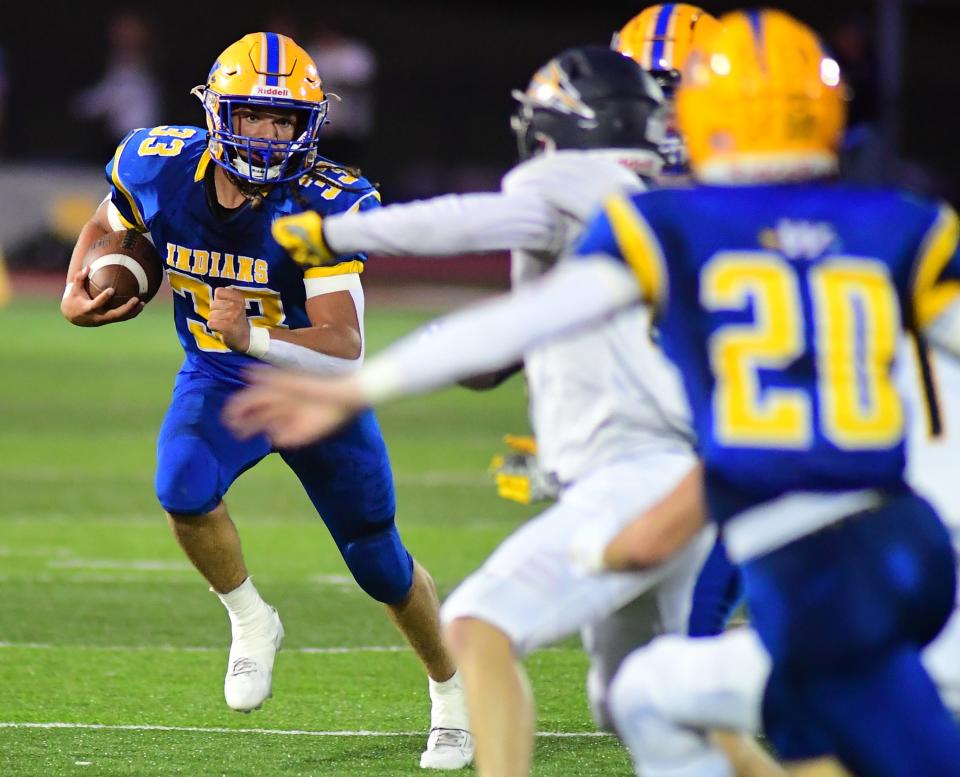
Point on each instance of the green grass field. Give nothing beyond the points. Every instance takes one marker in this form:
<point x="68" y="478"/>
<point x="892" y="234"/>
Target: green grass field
<point x="112" y="650"/>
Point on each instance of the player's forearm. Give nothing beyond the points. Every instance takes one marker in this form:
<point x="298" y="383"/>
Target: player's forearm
<point x="324" y="350"/>
<point x="92" y="231"/>
<point x="497" y="333"/>
<point x="343" y="342"/>
<point x="486" y="381"/>
<point x="444" y="225"/>
<point x="96" y="227"/>
<point x="663" y="530"/>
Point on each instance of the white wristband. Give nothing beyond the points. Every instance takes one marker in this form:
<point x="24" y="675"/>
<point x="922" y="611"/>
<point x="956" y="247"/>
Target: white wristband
<point x="67" y="289"/>
<point x="259" y="342"/>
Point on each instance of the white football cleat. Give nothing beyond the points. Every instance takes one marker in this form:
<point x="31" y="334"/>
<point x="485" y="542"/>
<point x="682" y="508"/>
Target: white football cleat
<point x="447" y="748"/>
<point x="249" y="679"/>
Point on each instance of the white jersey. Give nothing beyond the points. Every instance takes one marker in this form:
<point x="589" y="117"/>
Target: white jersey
<point x="932" y="461"/>
<point x="606" y="392"/>
<point x="596" y="396"/>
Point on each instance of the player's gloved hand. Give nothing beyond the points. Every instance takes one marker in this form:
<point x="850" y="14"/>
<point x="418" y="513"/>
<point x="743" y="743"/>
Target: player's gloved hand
<point x="301" y="235"/>
<point x="518" y="474"/>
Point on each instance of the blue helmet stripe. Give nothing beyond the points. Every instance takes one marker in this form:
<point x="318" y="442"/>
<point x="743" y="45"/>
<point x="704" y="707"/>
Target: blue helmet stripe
<point x="273" y="58"/>
<point x="659" y="32"/>
<point x="756" y="22"/>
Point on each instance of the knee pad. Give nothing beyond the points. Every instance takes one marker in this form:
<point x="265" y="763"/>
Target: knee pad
<point x="187" y="480"/>
<point x="381" y="565"/>
<point x="658" y="745"/>
<point x="636" y="684"/>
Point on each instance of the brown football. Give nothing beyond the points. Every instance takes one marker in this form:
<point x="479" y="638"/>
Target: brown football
<point x="127" y="262"/>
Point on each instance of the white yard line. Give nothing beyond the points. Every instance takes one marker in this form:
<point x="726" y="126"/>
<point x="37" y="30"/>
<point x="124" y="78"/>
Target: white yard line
<point x="335" y="650"/>
<point x="202" y="648"/>
<point x="268" y="731"/>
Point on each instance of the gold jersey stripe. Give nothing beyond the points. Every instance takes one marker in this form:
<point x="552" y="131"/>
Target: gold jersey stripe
<point x="344" y="268"/>
<point x="202" y="166"/>
<point x="930" y="298"/>
<point x="639" y="247"/>
<point x="115" y="177"/>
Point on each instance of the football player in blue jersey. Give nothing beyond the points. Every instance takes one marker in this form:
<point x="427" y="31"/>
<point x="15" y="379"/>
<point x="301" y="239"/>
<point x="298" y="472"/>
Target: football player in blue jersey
<point x="207" y="199"/>
<point x="782" y="296"/>
<point x="588" y="124"/>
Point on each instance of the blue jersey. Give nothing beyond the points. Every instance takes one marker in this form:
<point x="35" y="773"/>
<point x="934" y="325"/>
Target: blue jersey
<point x="783" y="307"/>
<point x="157" y="178"/>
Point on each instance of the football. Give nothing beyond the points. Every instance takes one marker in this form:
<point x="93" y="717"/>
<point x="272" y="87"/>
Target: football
<point x="127" y="262"/>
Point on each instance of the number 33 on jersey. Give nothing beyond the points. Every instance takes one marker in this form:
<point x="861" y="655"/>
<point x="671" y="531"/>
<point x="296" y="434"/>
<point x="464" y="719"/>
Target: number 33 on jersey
<point x="161" y="181"/>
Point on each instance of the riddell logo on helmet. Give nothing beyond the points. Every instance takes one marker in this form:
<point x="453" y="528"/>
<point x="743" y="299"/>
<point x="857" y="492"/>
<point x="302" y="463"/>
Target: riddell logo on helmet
<point x="271" y="91"/>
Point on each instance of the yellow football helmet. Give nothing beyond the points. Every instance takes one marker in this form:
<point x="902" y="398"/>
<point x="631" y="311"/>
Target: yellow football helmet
<point x="761" y="101"/>
<point x="267" y="70"/>
<point x="661" y="37"/>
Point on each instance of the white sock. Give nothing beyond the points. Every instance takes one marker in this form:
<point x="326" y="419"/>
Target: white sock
<point x="244" y="604"/>
<point x="448" y="704"/>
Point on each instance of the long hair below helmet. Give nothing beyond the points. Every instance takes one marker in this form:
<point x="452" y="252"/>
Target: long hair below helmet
<point x="589" y="97"/>
<point x="265" y="71"/>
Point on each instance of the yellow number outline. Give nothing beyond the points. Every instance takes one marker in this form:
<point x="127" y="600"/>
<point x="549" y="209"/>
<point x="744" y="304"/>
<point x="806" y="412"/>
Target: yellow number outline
<point x="745" y="413"/>
<point x="271" y="314"/>
<point x="859" y="405"/>
<point x="151" y="146"/>
<point x="856" y="323"/>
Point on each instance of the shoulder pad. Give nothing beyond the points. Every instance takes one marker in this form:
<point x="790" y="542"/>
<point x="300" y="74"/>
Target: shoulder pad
<point x="148" y="166"/>
<point x="337" y="191"/>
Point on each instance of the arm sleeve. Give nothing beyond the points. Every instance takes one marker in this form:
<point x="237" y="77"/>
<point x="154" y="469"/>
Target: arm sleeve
<point x="500" y="331"/>
<point x="450" y="224"/>
<point x="295" y="357"/>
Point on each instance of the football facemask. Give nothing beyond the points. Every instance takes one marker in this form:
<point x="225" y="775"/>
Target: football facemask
<point x="263" y="71"/>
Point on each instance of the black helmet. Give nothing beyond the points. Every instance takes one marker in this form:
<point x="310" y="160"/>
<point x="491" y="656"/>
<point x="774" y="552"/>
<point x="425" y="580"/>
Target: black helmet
<point x="589" y="97"/>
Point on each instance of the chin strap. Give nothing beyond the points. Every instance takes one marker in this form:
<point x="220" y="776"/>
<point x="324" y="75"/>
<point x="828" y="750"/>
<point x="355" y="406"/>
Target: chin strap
<point x="254" y="193"/>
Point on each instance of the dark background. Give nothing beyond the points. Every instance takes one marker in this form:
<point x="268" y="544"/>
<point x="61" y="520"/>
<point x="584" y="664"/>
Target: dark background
<point x="445" y="71"/>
